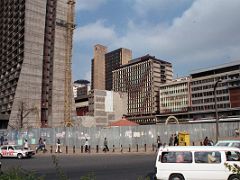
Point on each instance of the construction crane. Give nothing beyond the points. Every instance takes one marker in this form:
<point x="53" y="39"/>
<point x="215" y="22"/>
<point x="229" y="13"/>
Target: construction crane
<point x="70" y="26"/>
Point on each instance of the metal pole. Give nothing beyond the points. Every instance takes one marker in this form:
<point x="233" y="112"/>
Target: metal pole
<point x="216" y="110"/>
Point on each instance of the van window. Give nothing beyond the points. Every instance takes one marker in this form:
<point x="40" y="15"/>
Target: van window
<point x="176" y="157"/>
<point x="236" y="144"/>
<point x="232" y="156"/>
<point x="222" y="144"/>
<point x="207" y="157"/>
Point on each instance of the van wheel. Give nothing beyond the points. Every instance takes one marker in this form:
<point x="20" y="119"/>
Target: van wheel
<point x="234" y="177"/>
<point x="176" y="177"/>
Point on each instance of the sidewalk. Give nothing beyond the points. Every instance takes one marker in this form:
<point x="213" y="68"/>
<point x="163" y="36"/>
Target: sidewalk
<point x="78" y="151"/>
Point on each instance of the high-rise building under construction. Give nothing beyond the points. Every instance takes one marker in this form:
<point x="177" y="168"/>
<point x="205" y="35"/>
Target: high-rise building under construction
<point x="35" y="67"/>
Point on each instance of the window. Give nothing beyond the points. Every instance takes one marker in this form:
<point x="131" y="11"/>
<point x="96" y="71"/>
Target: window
<point x="236" y="145"/>
<point x="176" y="157"/>
<point x="207" y="157"/>
<point x="232" y="156"/>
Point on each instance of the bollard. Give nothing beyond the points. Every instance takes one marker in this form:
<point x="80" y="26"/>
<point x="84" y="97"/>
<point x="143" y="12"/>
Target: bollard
<point x="81" y="149"/>
<point x="193" y="143"/>
<point x="66" y="149"/>
<point x="129" y="149"/>
<point x="137" y="147"/>
<point x="73" y="149"/>
<point x="113" y="148"/>
<point x="97" y="149"/>
<point x="145" y="147"/>
<point x="121" y="148"/>
<point x="51" y="148"/>
<point x="152" y="147"/>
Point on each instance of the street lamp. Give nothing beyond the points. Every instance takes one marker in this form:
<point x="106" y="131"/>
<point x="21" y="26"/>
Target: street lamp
<point x="216" y="111"/>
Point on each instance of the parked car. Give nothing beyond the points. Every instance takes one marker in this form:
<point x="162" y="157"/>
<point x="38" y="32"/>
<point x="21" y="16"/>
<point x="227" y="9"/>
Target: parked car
<point x="196" y="163"/>
<point x="15" y="151"/>
<point x="230" y="143"/>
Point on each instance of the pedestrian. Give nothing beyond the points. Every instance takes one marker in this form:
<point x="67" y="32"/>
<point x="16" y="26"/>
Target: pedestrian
<point x="175" y="140"/>
<point x="58" y="148"/>
<point x="40" y="145"/>
<point x="86" y="145"/>
<point x="159" y="143"/>
<point x="25" y="146"/>
<point x="2" y="140"/>
<point x="105" y="143"/>
<point x="206" y="141"/>
<point x="171" y="140"/>
<point x="44" y="146"/>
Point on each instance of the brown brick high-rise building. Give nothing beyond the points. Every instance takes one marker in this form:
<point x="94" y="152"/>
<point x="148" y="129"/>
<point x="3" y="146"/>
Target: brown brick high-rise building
<point x="98" y="67"/>
<point x="32" y="61"/>
<point x="104" y="63"/>
<point x="141" y="79"/>
<point x="114" y="60"/>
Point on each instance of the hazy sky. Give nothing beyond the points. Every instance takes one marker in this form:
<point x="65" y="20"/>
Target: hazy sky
<point x="191" y="34"/>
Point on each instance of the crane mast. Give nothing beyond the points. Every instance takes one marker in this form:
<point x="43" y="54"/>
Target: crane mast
<point x="68" y="91"/>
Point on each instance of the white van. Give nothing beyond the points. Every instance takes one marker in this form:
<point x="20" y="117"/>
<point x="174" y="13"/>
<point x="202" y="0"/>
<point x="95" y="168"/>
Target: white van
<point x="196" y="163"/>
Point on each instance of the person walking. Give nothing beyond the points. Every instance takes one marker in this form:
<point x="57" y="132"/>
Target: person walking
<point x="206" y="141"/>
<point x="2" y="140"/>
<point x="175" y="140"/>
<point x="105" y="143"/>
<point x="40" y="145"/>
<point x="58" y="148"/>
<point x="44" y="146"/>
<point x="159" y="143"/>
<point x="25" y="146"/>
<point x="171" y="140"/>
<point x="86" y="146"/>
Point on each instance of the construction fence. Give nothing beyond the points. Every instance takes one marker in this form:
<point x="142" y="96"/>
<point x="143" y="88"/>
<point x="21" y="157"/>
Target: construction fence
<point x="124" y="137"/>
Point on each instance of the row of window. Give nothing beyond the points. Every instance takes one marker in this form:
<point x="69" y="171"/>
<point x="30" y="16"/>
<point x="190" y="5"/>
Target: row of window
<point x="199" y="157"/>
<point x="210" y="100"/>
<point x="209" y="107"/>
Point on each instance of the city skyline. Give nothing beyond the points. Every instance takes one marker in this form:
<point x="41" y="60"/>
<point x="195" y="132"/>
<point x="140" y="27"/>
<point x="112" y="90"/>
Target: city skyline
<point x="200" y="34"/>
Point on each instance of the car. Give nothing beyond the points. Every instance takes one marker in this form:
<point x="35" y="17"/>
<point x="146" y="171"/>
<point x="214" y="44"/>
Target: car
<point x="229" y="143"/>
<point x="15" y="151"/>
<point x="196" y="163"/>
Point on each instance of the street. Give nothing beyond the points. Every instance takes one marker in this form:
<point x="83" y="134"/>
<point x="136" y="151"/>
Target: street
<point x="103" y="166"/>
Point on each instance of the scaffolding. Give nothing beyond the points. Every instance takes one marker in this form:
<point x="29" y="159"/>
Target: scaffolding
<point x="68" y="72"/>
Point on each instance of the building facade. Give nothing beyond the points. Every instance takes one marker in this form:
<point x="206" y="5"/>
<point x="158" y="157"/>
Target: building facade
<point x="107" y="106"/>
<point x="98" y="67"/>
<point x="141" y="79"/>
<point x="114" y="60"/>
<point x="32" y="62"/>
<point x="227" y="91"/>
<point x="175" y="100"/>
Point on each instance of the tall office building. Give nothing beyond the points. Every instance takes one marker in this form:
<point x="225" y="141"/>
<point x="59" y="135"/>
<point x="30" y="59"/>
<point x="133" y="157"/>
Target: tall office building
<point x="114" y="60"/>
<point x="98" y="67"/>
<point x="104" y="63"/>
<point x="33" y="52"/>
<point x="226" y="78"/>
<point x="141" y="79"/>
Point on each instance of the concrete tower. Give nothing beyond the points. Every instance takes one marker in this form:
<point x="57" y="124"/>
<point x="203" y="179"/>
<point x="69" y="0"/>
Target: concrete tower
<point x="33" y="61"/>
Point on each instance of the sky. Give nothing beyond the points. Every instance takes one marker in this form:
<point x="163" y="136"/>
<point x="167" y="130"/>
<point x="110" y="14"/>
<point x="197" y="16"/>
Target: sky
<point x="191" y="34"/>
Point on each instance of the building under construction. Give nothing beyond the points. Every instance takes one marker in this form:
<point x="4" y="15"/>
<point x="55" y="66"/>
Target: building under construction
<point x="35" y="62"/>
<point x="141" y="79"/>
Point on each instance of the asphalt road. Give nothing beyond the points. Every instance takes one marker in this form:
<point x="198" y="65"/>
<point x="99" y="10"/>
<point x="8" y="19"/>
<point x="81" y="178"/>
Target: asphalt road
<point x="104" y="166"/>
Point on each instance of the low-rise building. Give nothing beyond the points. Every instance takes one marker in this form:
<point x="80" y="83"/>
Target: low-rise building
<point x="107" y="106"/>
<point x="175" y="99"/>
